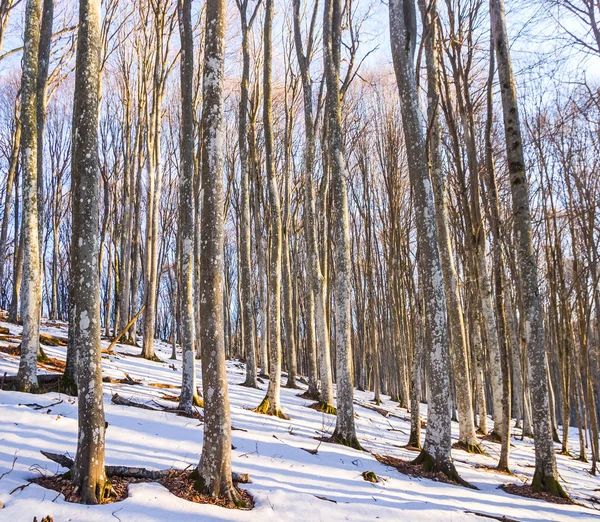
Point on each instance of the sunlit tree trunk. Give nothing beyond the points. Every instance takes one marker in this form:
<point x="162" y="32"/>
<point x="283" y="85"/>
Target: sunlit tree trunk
<point x="186" y="207"/>
<point x="436" y="450"/>
<point x="88" y="471"/>
<point x="214" y="469"/>
<point x="460" y="363"/>
<point x="345" y="431"/>
<point x="31" y="283"/>
<point x="270" y="403"/>
<point x="545" y="477"/>
<point x="246" y="294"/>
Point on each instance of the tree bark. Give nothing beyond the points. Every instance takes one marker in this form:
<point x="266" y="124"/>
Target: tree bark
<point x="214" y="469"/>
<point x="270" y="404"/>
<point x="246" y="294"/>
<point x="88" y="472"/>
<point x="186" y="207"/>
<point x="464" y="399"/>
<point x="545" y="477"/>
<point x="31" y="282"/>
<point x="436" y="451"/>
<point x="345" y="431"/>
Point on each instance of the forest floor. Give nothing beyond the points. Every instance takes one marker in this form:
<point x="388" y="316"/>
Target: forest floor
<point x="288" y="483"/>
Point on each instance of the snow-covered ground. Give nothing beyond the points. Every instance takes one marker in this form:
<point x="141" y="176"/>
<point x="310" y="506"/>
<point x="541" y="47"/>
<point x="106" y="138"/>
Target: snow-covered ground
<point x="286" y="480"/>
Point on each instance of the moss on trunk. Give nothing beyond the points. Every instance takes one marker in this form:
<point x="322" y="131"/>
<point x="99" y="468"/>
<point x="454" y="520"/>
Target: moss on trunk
<point x="548" y="484"/>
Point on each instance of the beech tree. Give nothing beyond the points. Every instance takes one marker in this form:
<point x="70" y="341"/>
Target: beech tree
<point x="186" y="207"/>
<point x="32" y="284"/>
<point x="88" y="471"/>
<point x="214" y="469"/>
<point x="436" y="450"/>
<point x="545" y="477"/>
<point x="345" y="431"/>
<point x="271" y="404"/>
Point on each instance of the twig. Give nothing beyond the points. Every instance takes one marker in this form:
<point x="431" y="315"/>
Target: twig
<point x="20" y="488"/>
<point x="11" y="468"/>
<point x="37" y="406"/>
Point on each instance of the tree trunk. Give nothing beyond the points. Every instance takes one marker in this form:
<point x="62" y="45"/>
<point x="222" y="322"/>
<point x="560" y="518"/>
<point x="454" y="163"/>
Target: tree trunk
<point x="186" y="208"/>
<point x="270" y="404"/>
<point x="88" y="472"/>
<point x="464" y="399"/>
<point x="545" y="477"/>
<point x="31" y="283"/>
<point x="214" y="469"/>
<point x="436" y="452"/>
<point x="345" y="431"/>
<point x="246" y="294"/>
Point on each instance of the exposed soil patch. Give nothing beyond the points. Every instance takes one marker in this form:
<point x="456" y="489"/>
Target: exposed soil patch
<point x="52" y="364"/>
<point x="414" y="470"/>
<point x="528" y="492"/>
<point x="10" y="350"/>
<point x="53" y="340"/>
<point x="164" y="386"/>
<point x="182" y="486"/>
<point x="119" y="485"/>
<point x="178" y="482"/>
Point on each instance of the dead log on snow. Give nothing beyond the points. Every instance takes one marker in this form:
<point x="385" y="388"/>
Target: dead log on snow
<point x="133" y="472"/>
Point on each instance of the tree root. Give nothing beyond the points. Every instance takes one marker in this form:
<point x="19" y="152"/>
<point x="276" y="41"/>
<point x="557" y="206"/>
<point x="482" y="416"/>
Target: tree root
<point x="308" y="395"/>
<point x="230" y="497"/>
<point x="247" y="384"/>
<point x="266" y="408"/>
<point x="291" y="384"/>
<point x="548" y="484"/>
<point x="153" y="358"/>
<point x="323" y="407"/>
<point x="475" y="449"/>
<point x="446" y="467"/>
<point x="351" y="442"/>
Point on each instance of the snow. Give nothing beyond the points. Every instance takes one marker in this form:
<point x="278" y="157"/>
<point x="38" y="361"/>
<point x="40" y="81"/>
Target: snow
<point x="286" y="480"/>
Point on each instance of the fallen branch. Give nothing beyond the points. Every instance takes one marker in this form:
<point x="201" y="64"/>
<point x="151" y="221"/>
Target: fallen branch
<point x="122" y="401"/>
<point x="381" y="411"/>
<point x="11" y="468"/>
<point x="327" y="499"/>
<point x="43" y="379"/>
<point x="133" y="472"/>
<point x="124" y="330"/>
<point x="125" y="380"/>
<point x="37" y="406"/>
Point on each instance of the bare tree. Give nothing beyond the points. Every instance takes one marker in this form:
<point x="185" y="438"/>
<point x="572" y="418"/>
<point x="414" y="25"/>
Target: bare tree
<point x="246" y="294"/>
<point x="186" y="207"/>
<point x="270" y="404"/>
<point x="88" y="471"/>
<point x="214" y="469"/>
<point x="345" y="431"/>
<point x="316" y="322"/>
<point x="436" y="450"/>
<point x="545" y="477"/>
<point x="32" y="284"/>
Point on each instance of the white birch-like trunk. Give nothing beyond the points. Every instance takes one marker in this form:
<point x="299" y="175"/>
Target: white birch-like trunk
<point x="345" y="431"/>
<point x="31" y="289"/>
<point x="214" y="469"/>
<point x="436" y="450"/>
<point x="545" y="477"/>
<point x="186" y="207"/>
<point x="88" y="471"/>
